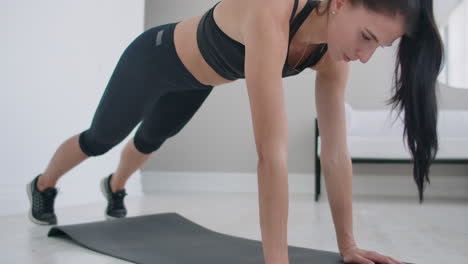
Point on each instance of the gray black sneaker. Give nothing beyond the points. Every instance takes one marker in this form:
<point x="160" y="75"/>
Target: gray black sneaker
<point x="42" y="204"/>
<point x="115" y="204"/>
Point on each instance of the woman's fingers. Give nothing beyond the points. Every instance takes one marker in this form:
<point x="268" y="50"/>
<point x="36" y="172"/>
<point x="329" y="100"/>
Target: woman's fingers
<point x="381" y="258"/>
<point x="360" y="256"/>
<point x="378" y="258"/>
<point x="360" y="260"/>
<point x="396" y="261"/>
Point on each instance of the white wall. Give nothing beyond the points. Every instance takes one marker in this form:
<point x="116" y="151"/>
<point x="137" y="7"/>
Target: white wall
<point x="443" y="9"/>
<point x="57" y="57"/>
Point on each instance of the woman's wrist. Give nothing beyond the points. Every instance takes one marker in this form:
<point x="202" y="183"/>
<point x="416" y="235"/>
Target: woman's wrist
<point x="347" y="246"/>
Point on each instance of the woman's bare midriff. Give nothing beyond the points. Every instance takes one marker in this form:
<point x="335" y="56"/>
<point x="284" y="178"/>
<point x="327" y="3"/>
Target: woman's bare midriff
<point x="185" y="40"/>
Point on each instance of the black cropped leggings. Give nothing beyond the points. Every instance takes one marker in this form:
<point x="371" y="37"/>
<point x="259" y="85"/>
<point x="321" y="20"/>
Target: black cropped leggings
<point x="149" y="84"/>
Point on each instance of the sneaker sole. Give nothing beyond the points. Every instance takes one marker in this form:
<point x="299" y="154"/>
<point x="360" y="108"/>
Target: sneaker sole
<point x="30" y="216"/>
<point x="103" y="191"/>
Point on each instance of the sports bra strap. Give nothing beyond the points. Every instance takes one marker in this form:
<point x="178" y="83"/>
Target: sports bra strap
<point x="293" y="11"/>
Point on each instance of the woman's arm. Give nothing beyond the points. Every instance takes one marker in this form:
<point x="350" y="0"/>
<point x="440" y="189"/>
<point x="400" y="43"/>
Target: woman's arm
<point x="330" y="87"/>
<point x="266" y="42"/>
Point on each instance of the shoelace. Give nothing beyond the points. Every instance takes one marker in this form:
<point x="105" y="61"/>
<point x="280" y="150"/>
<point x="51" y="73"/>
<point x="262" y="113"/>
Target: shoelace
<point x="117" y="199"/>
<point x="48" y="198"/>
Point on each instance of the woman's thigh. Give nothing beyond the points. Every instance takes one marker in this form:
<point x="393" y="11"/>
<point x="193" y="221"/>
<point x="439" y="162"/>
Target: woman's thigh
<point x="167" y="117"/>
<point x="134" y="86"/>
<point x="148" y="69"/>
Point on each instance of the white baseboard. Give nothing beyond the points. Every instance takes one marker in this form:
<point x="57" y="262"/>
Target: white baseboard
<point x="384" y="186"/>
<point x="14" y="199"/>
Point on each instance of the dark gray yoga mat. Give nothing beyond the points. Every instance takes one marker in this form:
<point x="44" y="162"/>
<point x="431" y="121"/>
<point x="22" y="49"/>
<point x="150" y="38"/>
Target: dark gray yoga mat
<point x="169" y="238"/>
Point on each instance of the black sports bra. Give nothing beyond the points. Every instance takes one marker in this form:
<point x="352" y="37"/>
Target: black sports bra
<point x="227" y="56"/>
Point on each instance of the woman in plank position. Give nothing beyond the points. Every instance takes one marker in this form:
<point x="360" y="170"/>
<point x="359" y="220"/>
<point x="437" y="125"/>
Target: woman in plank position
<point x="166" y="73"/>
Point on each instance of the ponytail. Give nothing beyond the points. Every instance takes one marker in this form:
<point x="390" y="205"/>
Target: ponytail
<point x="418" y="62"/>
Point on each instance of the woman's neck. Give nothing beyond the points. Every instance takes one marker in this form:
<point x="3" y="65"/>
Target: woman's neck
<point x="314" y="28"/>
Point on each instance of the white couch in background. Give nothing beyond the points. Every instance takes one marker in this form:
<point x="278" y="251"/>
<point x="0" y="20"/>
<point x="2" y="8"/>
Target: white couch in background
<point x="376" y="136"/>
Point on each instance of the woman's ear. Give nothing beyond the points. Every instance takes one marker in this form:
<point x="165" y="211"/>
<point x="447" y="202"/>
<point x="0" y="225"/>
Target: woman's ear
<point x="337" y="5"/>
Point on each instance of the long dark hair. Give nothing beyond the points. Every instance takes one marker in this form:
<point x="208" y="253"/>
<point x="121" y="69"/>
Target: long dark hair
<point x="418" y="63"/>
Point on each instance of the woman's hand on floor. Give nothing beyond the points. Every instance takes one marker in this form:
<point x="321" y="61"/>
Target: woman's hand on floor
<point x="355" y="255"/>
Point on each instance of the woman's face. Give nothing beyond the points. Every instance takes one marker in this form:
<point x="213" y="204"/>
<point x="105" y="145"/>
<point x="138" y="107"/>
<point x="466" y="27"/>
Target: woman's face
<point x="350" y="31"/>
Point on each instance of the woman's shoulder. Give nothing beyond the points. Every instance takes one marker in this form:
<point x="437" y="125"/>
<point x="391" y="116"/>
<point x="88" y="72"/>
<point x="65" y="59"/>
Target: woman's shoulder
<point x="280" y="10"/>
<point x="235" y="17"/>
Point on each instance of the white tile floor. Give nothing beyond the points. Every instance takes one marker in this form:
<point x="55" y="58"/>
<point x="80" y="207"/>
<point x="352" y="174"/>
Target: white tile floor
<point x="436" y="232"/>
